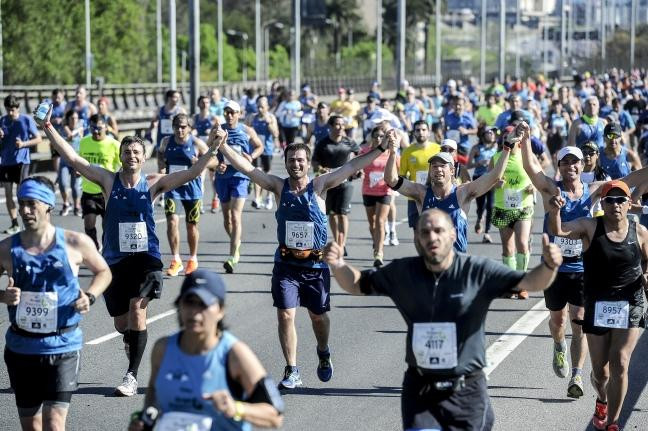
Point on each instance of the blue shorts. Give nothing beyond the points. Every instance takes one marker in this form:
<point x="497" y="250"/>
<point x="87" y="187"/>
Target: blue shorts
<point x="294" y="285"/>
<point x="412" y="214"/>
<point x="231" y="188"/>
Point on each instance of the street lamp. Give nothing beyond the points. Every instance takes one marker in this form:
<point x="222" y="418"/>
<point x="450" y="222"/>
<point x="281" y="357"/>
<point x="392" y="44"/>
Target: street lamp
<point x="244" y="36"/>
<point x="266" y="44"/>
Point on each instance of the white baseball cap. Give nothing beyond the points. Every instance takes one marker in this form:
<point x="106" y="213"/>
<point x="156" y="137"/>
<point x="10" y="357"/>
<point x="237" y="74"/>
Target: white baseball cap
<point x="574" y="151"/>
<point x="233" y="106"/>
<point x="446" y="157"/>
<point x="449" y="143"/>
<point x="452" y="83"/>
<point x="381" y="114"/>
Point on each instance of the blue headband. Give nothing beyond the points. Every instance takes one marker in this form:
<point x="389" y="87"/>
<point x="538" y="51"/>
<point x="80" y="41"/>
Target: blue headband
<point x="32" y="189"/>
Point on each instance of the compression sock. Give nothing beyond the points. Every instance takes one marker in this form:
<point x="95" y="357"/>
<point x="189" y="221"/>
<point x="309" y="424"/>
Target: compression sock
<point x="509" y="261"/>
<point x="576" y="372"/>
<point x="92" y="233"/>
<point x="136" y="344"/>
<point x="14" y="222"/>
<point x="521" y="261"/>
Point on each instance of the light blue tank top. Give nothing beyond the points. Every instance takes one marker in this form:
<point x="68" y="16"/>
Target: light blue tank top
<point x="484" y="153"/>
<point x="46" y="272"/>
<point x="129" y="217"/>
<point x="261" y="127"/>
<point x="179" y="157"/>
<point x="451" y="206"/>
<point x="300" y="208"/>
<point x="238" y="139"/>
<point x="588" y="132"/>
<point x="182" y="380"/>
<point x="615" y="168"/>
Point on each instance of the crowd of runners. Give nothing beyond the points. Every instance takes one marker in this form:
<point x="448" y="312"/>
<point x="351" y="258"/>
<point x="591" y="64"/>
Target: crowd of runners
<point x="577" y="147"/>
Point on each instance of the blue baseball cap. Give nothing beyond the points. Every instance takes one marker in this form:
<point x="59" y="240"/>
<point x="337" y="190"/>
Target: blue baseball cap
<point x="207" y="285"/>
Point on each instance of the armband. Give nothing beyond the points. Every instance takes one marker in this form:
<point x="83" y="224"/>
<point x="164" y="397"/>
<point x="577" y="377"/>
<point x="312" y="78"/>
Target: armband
<point x="644" y="209"/>
<point x="91" y="298"/>
<point x="265" y="391"/>
<point x="398" y="184"/>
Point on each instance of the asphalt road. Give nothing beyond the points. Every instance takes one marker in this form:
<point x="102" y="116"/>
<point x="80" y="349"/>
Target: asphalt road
<point x="367" y="342"/>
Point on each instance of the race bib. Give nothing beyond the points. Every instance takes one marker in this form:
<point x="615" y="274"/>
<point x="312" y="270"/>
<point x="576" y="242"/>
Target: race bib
<point x="421" y="177"/>
<point x="513" y="198"/>
<point x="177" y="168"/>
<point x="435" y="345"/>
<point x="236" y="148"/>
<point x="569" y="247"/>
<point x="181" y="421"/>
<point x="37" y="312"/>
<point x="165" y="126"/>
<point x="611" y="314"/>
<point x="455" y="135"/>
<point x="299" y="234"/>
<point x="375" y="178"/>
<point x="308" y="118"/>
<point x="133" y="237"/>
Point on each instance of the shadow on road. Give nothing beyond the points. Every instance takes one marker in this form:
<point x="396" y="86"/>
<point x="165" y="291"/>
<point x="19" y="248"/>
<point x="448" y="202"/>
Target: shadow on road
<point x="365" y="306"/>
<point x="376" y="391"/>
<point x="106" y="391"/>
<point x="542" y="400"/>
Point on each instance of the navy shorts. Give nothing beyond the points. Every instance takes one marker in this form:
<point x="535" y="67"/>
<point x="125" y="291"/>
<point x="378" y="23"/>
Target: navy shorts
<point x="231" y="188"/>
<point x="293" y="286"/>
<point x="412" y="214"/>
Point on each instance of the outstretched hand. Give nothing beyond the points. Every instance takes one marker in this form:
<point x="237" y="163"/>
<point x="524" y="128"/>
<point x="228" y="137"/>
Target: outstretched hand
<point x="12" y="293"/>
<point x="557" y="201"/>
<point x="217" y="136"/>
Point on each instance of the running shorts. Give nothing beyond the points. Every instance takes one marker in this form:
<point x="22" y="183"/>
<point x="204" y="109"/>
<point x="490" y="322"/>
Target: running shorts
<point x="294" y="285"/>
<point x="135" y="276"/>
<point x="191" y="208"/>
<point x="508" y="217"/>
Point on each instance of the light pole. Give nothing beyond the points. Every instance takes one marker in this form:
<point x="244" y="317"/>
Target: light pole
<point x="266" y="45"/>
<point x="88" y="53"/>
<point x="257" y="40"/>
<point x="379" y="37"/>
<point x="244" y="37"/>
<point x="158" y="34"/>
<point x="172" y="42"/>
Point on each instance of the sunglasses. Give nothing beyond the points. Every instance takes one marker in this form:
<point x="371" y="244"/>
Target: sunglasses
<point x="613" y="136"/>
<point x="619" y="200"/>
<point x="182" y="126"/>
<point x="590" y="153"/>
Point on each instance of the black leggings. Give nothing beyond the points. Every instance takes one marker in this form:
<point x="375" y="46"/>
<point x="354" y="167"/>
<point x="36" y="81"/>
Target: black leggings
<point x="485" y="202"/>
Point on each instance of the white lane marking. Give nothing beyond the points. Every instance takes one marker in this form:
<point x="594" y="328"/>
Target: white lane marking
<point x="513" y="337"/>
<point x="116" y="334"/>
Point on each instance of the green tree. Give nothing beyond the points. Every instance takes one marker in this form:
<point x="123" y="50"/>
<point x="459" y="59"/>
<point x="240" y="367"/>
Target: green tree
<point x="279" y="62"/>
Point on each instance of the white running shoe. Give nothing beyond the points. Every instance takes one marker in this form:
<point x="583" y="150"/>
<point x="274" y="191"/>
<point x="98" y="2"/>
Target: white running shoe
<point x="128" y="388"/>
<point x="393" y="238"/>
<point x="268" y="203"/>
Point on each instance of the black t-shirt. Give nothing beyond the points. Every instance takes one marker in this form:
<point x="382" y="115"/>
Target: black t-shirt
<point x="460" y="294"/>
<point x="331" y="154"/>
<point x="635" y="107"/>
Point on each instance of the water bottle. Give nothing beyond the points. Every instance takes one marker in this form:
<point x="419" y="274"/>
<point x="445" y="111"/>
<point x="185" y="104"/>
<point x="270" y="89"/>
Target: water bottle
<point x="41" y="111"/>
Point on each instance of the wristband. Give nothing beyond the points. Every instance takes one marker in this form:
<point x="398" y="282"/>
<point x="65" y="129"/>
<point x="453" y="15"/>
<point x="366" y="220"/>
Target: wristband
<point x="380" y="148"/>
<point x="239" y="411"/>
<point x="547" y="265"/>
<point x="644" y="209"/>
<point x="506" y="148"/>
<point x="91" y="298"/>
<point x="398" y="184"/>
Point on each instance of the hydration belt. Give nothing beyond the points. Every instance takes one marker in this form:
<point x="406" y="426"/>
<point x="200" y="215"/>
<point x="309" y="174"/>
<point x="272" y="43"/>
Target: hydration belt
<point x="60" y="331"/>
<point x="292" y="253"/>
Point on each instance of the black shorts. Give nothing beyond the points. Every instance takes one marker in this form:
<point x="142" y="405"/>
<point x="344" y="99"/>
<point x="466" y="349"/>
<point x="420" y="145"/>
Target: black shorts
<point x="466" y="409"/>
<point x="290" y="133"/>
<point x="135" y="276"/>
<point x="93" y="204"/>
<point x="263" y="161"/>
<point x="371" y="201"/>
<point x="636" y="317"/>
<point x="14" y="173"/>
<point x="38" y="378"/>
<point x="412" y="214"/>
<point x="567" y="288"/>
<point x="191" y="208"/>
<point x="338" y="199"/>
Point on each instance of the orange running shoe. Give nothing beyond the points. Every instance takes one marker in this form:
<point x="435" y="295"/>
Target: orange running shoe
<point x="174" y="268"/>
<point x="214" y="205"/>
<point x="192" y="265"/>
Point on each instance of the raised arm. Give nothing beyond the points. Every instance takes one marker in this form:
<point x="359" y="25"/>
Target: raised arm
<point x="406" y="187"/>
<point x="532" y="166"/>
<point x="346" y="275"/>
<point x="573" y="131"/>
<point x="575" y="229"/>
<point x="337" y="177"/>
<point x="243" y="165"/>
<point x="486" y="182"/>
<point x="541" y="277"/>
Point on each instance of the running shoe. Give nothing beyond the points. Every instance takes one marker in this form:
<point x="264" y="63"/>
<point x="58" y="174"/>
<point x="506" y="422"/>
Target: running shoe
<point x="174" y="268"/>
<point x="378" y="260"/>
<point x="325" y="367"/>
<point x="599" y="419"/>
<point x="256" y="204"/>
<point x="214" y="206"/>
<point x="560" y="363"/>
<point x="487" y="239"/>
<point x="268" y="203"/>
<point x="229" y="264"/>
<point x="192" y="265"/>
<point x="612" y="427"/>
<point x="393" y="238"/>
<point x="575" y="387"/>
<point x="12" y="230"/>
<point x="78" y="212"/>
<point x="291" y="378"/>
<point x="128" y="388"/>
<point x="65" y="211"/>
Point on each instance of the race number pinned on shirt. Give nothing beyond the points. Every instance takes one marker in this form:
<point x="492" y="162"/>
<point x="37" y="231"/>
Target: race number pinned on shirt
<point x="375" y="178"/>
<point x="177" y="168"/>
<point x="308" y="118"/>
<point x="611" y="314"/>
<point x="421" y="177"/>
<point x="166" y="127"/>
<point x="183" y="421"/>
<point x="133" y="237"/>
<point x="236" y="148"/>
<point x="569" y="247"/>
<point x="299" y="234"/>
<point x="513" y="198"/>
<point x="37" y="312"/>
<point x="435" y="345"/>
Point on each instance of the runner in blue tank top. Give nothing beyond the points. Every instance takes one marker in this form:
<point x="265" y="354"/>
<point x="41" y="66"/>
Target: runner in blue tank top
<point x="299" y="276"/>
<point x="178" y="153"/>
<point x="203" y="377"/>
<point x="265" y="125"/>
<point x="232" y="185"/>
<point x="45" y="304"/>
<point x="130" y="244"/>
<point x="589" y="127"/>
<point x="163" y="118"/>
<point x="203" y="122"/>
<point x="318" y="129"/>
<point x="83" y="107"/>
<point x="616" y="159"/>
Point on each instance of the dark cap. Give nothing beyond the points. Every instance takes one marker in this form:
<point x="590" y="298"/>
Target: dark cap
<point x="517" y="116"/>
<point x="612" y="129"/>
<point x="207" y="285"/>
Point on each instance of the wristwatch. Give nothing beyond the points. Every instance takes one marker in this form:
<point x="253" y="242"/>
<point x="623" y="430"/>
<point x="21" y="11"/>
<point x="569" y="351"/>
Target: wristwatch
<point x="91" y="297"/>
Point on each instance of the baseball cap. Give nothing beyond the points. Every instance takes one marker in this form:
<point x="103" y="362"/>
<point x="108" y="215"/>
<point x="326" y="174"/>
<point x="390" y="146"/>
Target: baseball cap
<point x="574" y="151"/>
<point x="446" y="157"/>
<point x="615" y="184"/>
<point x="381" y="114"/>
<point x="207" y="285"/>
<point x="612" y="129"/>
<point x="517" y="116"/>
<point x="452" y="83"/>
<point x="449" y="143"/>
<point x="233" y="106"/>
<point x="590" y="145"/>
